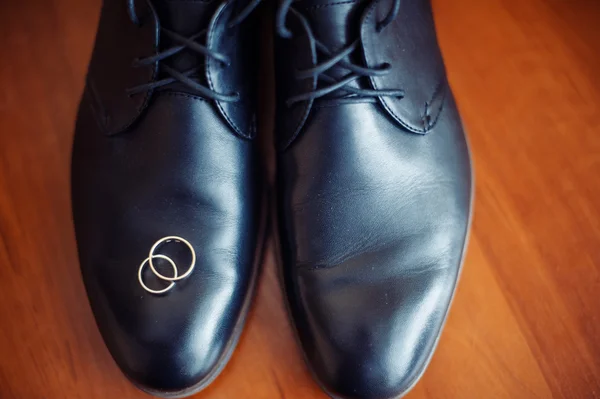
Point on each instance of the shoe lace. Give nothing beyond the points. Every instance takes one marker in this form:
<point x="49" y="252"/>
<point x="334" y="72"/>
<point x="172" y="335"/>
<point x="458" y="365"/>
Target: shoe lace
<point x="335" y="57"/>
<point x="190" y="43"/>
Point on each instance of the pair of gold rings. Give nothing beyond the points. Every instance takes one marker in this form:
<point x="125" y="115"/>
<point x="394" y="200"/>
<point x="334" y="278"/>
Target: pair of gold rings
<point x="152" y="255"/>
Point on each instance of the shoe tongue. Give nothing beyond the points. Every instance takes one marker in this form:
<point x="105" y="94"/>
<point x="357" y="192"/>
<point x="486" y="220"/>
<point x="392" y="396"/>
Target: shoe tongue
<point x="336" y="24"/>
<point x="186" y="18"/>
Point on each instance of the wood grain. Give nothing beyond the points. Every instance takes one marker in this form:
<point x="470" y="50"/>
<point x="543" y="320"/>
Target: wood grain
<point x="526" y="319"/>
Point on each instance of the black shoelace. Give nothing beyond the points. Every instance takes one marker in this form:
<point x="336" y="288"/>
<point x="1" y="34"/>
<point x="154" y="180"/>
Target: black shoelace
<point x="319" y="71"/>
<point x="189" y="43"/>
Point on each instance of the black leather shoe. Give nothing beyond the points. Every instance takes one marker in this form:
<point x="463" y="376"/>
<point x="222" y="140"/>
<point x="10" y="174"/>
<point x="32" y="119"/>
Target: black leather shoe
<point x="167" y="190"/>
<point x="374" y="189"/>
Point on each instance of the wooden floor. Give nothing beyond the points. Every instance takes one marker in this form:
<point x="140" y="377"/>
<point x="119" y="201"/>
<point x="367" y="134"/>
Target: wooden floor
<point x="526" y="319"/>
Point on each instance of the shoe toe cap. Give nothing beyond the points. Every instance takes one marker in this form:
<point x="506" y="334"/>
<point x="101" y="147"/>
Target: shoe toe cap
<point x="171" y="345"/>
<point x="370" y="336"/>
<point x="179" y="367"/>
<point x="173" y="349"/>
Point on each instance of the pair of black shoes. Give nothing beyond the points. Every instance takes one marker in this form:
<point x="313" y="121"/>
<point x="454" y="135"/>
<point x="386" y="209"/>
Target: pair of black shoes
<point x="373" y="187"/>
